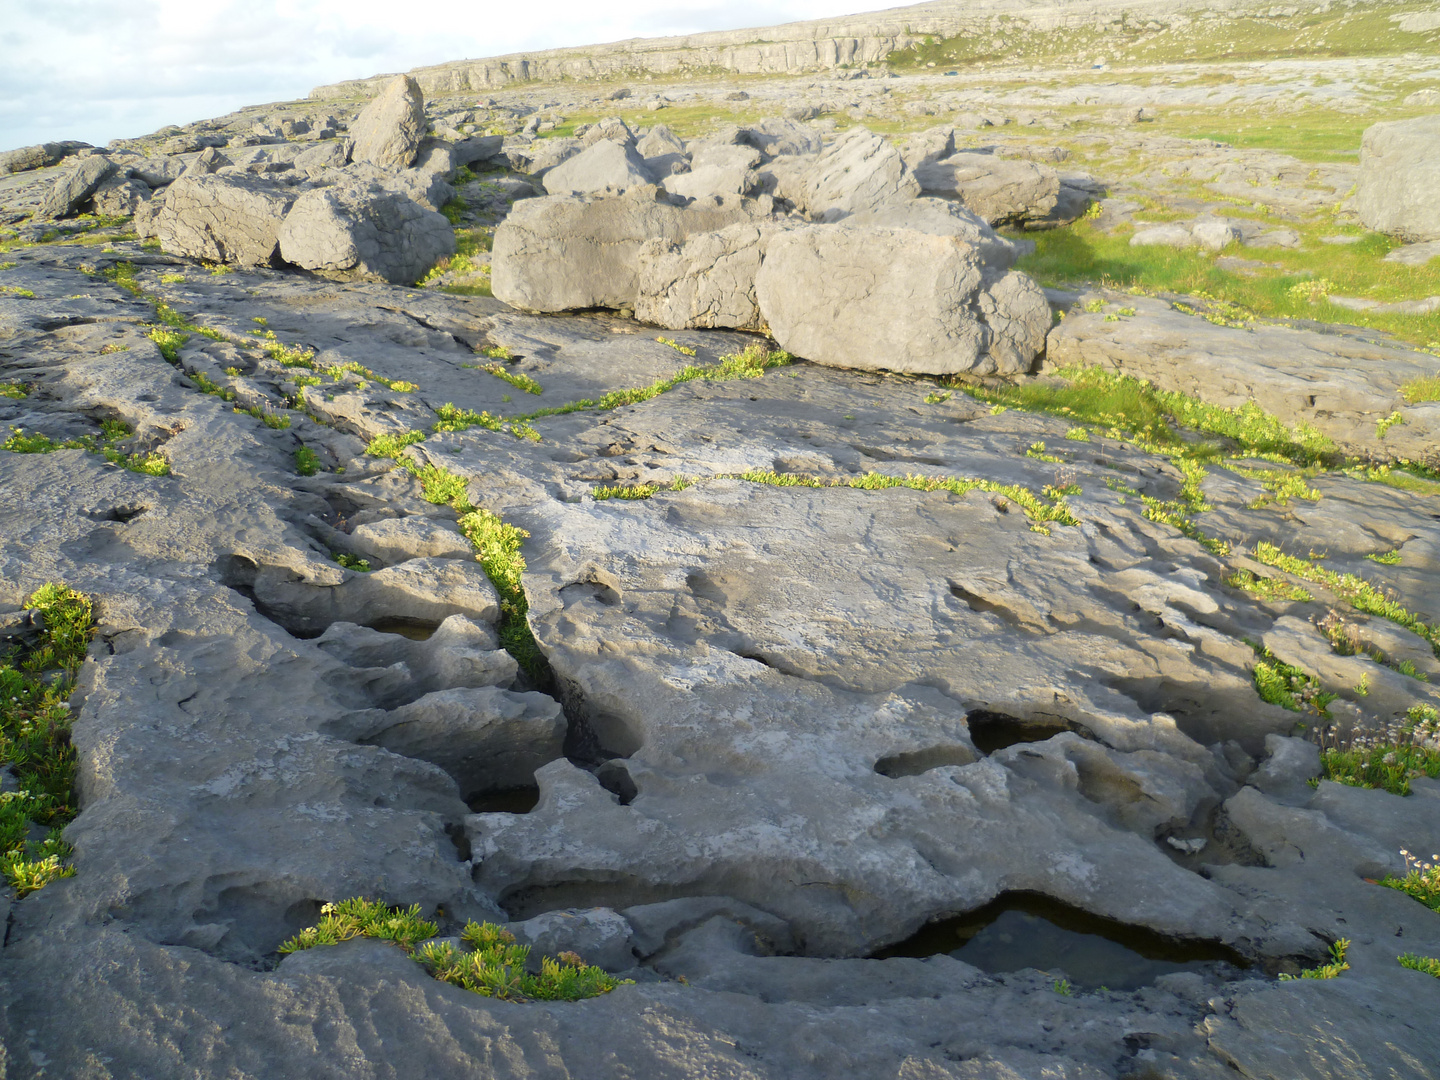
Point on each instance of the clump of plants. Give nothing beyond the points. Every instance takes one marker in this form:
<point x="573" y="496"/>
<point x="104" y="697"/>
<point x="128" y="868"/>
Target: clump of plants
<point x="1428" y="965"/>
<point x="494" y="966"/>
<point x="1421" y="881"/>
<point x="1332" y="970"/>
<point x="111" y="433"/>
<point x="1389" y="758"/>
<point x="36" y="681"/>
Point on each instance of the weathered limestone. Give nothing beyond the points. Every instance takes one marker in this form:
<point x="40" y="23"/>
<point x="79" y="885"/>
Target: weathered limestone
<point x="231" y="219"/>
<point x="73" y="189"/>
<point x="858" y="171"/>
<point x="877" y="297"/>
<point x="1399" y="175"/>
<point x="1003" y="191"/>
<point x="706" y="279"/>
<point x="603" y="164"/>
<point x="569" y="252"/>
<point x="355" y="231"/>
<point x="388" y="132"/>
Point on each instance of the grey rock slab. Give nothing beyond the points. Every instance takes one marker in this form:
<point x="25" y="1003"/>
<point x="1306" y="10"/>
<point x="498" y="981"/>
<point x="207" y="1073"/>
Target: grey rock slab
<point x="942" y="217"/>
<point x="41" y="156"/>
<point x="393" y="540"/>
<point x="1175" y="236"/>
<point x="1399" y="167"/>
<point x="603" y="164"/>
<point x="1343" y="384"/>
<point x="572" y="252"/>
<point x="778" y="136"/>
<point x="388" y="131"/>
<point x="869" y="296"/>
<point x="1003" y="191"/>
<point x="599" y="936"/>
<point x="75" y="187"/>
<point x="357" y="232"/>
<point x="229" y="219"/>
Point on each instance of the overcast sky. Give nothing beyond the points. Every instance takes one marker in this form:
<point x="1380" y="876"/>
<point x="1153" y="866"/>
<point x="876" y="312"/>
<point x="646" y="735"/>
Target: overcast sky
<point x="104" y="69"/>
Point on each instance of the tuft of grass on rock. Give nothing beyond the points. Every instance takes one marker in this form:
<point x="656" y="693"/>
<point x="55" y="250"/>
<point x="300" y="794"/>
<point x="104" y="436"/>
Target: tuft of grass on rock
<point x="1390" y="761"/>
<point x="307" y="462"/>
<point x="1421" y="881"/>
<point x="1427" y="965"/>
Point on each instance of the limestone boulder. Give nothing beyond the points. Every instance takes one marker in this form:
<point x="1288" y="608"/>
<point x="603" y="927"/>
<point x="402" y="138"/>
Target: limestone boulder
<point x="159" y="171"/>
<point x="780" y="136"/>
<point x="569" y="252"/>
<point x="603" y="164"/>
<point x="942" y="217"/>
<point x="230" y="219"/>
<point x="858" y="171"/>
<point x="1399" y="176"/>
<point x="1003" y="191"/>
<point x="705" y="280"/>
<point x="663" y="152"/>
<point x="356" y="231"/>
<point x="120" y="197"/>
<point x="388" y="132"/>
<point x="76" y="187"/>
<point x="717" y="170"/>
<point x="878" y="297"/>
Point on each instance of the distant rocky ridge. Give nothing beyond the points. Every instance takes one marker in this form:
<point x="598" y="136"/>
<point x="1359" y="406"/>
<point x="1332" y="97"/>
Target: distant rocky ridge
<point x="817" y="44"/>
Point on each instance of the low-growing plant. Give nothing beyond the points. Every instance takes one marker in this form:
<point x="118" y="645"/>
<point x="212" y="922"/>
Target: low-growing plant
<point x="517" y="379"/>
<point x="1332" y="970"/>
<point x="307" y="462"/>
<point x="1288" y="686"/>
<point x="1387" y="759"/>
<point x="1421" y="881"/>
<point x="36" y="682"/>
<point x="1427" y="965"/>
<point x="352" y="562"/>
<point x="13" y="390"/>
<point x="683" y="350"/>
<point x="1425" y="388"/>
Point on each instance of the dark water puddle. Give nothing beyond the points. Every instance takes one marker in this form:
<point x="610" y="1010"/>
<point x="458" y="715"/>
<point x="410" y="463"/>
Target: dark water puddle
<point x="1027" y="930"/>
<point x="519" y="800"/>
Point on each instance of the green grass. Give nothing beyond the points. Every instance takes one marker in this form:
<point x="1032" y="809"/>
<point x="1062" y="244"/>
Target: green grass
<point x="35" y="685"/>
<point x="111" y="432"/>
<point x="469" y="274"/>
<point x="517" y="379"/>
<point x="1268" y="589"/>
<point x="1421" y="390"/>
<point x="1084" y="253"/>
<point x="307" y="462"/>
<point x="1332" y="970"/>
<point x="1286" y="685"/>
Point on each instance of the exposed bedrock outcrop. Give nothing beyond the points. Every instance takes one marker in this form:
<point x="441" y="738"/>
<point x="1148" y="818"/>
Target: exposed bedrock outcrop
<point x="878" y="297"/>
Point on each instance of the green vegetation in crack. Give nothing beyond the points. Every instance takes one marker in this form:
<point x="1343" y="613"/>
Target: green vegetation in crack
<point x="13" y="390"/>
<point x="466" y="273"/>
<point x="1353" y="589"/>
<point x="1427" y="965"/>
<point x="36" y="681"/>
<point x="493" y="966"/>
<point x="1332" y="970"/>
<point x="1421" y="880"/>
<point x="1390" y="761"/>
<point x="497" y="548"/>
<point x="112" y="432"/>
<point x="307" y="462"/>
<point x="517" y="379"/>
<point x="1288" y="686"/>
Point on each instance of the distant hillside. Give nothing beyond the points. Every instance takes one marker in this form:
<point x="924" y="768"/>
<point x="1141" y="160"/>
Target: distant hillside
<point x="966" y="31"/>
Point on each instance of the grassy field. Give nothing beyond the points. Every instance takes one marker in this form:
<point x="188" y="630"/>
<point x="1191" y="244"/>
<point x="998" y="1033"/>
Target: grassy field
<point x="1296" y="289"/>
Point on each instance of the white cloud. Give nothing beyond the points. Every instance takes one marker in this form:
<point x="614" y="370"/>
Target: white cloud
<point x="83" y="69"/>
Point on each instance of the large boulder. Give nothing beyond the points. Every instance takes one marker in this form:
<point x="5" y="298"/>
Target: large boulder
<point x="570" y="252"/>
<point x="717" y="170"/>
<point x="76" y="187"/>
<point x="1003" y="191"/>
<point x="231" y="218"/>
<point x="603" y="164"/>
<point x="1399" y="178"/>
<point x="859" y="171"/>
<point x="705" y="280"/>
<point x="663" y="151"/>
<point x="388" y="132"/>
<point x="159" y="171"/>
<point x="876" y="297"/>
<point x="357" y="231"/>
<point x="119" y="197"/>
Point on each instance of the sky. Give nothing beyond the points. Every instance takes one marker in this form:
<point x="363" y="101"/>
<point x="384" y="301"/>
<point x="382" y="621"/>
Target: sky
<point x="97" y="70"/>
